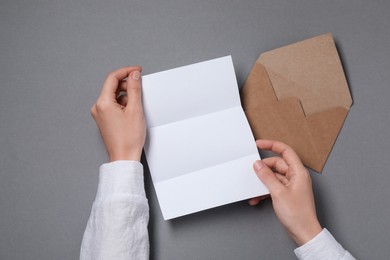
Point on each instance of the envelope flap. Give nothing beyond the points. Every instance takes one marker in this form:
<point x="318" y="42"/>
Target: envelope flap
<point x="310" y="70"/>
<point x="324" y="129"/>
<point x="311" y="136"/>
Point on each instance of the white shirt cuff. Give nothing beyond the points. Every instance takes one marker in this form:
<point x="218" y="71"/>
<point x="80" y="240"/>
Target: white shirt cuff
<point x="322" y="246"/>
<point x="121" y="177"/>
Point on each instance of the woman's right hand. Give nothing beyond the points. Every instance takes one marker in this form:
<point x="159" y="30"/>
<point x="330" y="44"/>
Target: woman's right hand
<point x="291" y="191"/>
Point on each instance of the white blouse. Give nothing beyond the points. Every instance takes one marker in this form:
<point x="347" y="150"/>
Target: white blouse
<point x="118" y="225"/>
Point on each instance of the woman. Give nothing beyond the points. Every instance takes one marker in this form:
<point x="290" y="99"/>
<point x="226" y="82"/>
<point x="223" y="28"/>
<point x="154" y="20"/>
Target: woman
<point x="117" y="227"/>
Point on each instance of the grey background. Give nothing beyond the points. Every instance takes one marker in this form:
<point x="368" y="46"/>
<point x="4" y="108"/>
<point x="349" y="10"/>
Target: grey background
<point x="55" y="55"/>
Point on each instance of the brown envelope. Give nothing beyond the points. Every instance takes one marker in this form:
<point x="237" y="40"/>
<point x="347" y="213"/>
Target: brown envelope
<point x="298" y="94"/>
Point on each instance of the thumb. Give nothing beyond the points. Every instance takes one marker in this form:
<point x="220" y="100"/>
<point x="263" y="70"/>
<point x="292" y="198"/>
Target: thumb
<point x="134" y="89"/>
<point x="266" y="175"/>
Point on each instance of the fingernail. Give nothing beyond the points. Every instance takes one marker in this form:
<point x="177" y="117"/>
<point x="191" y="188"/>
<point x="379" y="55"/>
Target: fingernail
<point x="258" y="165"/>
<point x="136" y="75"/>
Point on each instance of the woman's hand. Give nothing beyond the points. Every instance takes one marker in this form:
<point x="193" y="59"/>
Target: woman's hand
<point x="118" y="113"/>
<point x="291" y="191"/>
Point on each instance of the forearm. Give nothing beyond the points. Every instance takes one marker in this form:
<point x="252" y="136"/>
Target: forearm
<point x="117" y="227"/>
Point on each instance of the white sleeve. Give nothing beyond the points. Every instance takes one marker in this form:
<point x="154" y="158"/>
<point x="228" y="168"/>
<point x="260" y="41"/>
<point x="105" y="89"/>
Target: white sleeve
<point x="117" y="227"/>
<point x="322" y="247"/>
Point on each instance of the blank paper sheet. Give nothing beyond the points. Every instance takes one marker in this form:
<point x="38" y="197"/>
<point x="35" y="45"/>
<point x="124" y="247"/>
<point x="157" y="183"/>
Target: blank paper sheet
<point x="199" y="148"/>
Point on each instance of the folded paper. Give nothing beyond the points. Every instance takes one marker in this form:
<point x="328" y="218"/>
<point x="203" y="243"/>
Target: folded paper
<point x="298" y="94"/>
<point x="199" y="147"/>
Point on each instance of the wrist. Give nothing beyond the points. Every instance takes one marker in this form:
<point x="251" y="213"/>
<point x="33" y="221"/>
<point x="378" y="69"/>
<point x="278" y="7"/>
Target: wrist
<point x="131" y="156"/>
<point x="307" y="233"/>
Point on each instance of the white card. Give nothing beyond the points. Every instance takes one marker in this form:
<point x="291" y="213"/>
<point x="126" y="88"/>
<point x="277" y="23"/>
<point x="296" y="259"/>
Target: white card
<point x="199" y="146"/>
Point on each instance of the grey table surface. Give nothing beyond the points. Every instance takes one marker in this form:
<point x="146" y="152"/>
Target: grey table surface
<point x="54" y="57"/>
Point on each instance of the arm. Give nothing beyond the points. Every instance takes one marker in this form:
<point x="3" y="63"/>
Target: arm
<point x="323" y="246"/>
<point x="291" y="191"/>
<point x="117" y="227"/>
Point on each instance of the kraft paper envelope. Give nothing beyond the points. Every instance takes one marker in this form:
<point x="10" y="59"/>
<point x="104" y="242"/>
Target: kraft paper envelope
<point x="298" y="94"/>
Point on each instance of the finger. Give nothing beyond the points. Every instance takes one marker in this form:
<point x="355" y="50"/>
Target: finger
<point x="287" y="153"/>
<point x="282" y="178"/>
<point x="134" y="90"/>
<point x="257" y="200"/>
<point x="112" y="81"/>
<point x="276" y="164"/>
<point x="266" y="175"/>
<point x="279" y="167"/>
